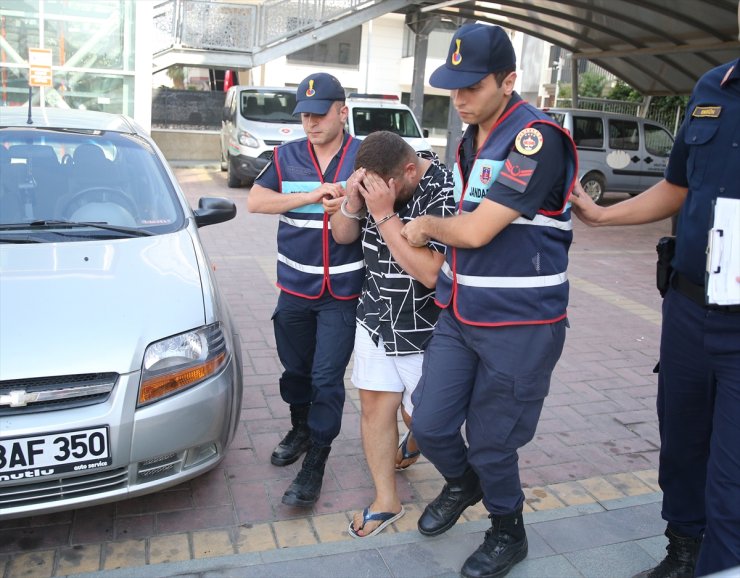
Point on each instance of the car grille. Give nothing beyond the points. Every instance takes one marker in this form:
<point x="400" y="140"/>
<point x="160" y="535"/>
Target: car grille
<point x="21" y="396"/>
<point x="267" y="155"/>
<point x="63" y="488"/>
<point x="274" y="143"/>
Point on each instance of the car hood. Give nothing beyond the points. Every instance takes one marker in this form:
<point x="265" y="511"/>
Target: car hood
<point x="94" y="306"/>
<point x="276" y="131"/>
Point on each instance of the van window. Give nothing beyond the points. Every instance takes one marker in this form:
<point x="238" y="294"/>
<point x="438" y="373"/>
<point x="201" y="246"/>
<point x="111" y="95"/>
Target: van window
<point x="657" y="140"/>
<point x="558" y="117"/>
<point x="588" y="132"/>
<point x="400" y="121"/>
<point x="268" y="106"/>
<point x="624" y="135"/>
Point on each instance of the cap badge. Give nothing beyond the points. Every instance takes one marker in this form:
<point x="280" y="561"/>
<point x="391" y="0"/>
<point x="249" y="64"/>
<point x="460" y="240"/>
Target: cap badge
<point x="456" y="57"/>
<point x="310" y="91"/>
<point x="528" y="141"/>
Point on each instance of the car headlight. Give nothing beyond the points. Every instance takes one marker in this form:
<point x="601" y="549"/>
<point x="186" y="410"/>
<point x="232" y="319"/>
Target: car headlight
<point x="248" y="140"/>
<point x="181" y="361"/>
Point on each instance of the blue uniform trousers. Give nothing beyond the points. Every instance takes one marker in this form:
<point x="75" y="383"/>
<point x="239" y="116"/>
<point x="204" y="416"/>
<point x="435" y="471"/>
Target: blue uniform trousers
<point x="314" y="339"/>
<point x="495" y="380"/>
<point x="699" y="417"/>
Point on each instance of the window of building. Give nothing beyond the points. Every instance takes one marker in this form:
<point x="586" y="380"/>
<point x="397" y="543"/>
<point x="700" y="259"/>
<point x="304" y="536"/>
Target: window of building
<point x="92" y="46"/>
<point x="340" y="50"/>
<point x="434" y="116"/>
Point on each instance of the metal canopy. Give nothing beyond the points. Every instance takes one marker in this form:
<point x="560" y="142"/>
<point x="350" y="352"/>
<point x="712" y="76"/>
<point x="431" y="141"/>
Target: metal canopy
<point x="660" y="47"/>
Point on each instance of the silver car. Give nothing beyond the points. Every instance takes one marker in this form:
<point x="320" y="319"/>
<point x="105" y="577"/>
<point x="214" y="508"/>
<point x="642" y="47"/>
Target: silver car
<point x="120" y="368"/>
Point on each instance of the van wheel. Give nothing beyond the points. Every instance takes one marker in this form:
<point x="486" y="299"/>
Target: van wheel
<point x="594" y="185"/>
<point x="224" y="163"/>
<point x="232" y="181"/>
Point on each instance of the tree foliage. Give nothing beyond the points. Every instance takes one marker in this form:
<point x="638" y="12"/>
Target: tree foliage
<point x="591" y="84"/>
<point x="660" y="106"/>
<point x="623" y="91"/>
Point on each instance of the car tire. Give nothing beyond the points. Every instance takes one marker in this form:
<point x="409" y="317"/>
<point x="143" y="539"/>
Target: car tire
<point x="594" y="184"/>
<point x="232" y="181"/>
<point x="224" y="163"/>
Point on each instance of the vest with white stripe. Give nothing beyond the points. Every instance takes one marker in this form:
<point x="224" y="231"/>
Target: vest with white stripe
<point x="520" y="276"/>
<point x="310" y="262"/>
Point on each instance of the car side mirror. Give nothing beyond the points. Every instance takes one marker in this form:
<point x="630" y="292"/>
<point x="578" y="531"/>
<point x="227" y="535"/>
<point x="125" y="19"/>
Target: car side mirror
<point x="425" y="132"/>
<point x="213" y="210"/>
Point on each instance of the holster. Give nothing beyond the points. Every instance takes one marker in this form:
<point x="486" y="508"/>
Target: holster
<point x="666" y="249"/>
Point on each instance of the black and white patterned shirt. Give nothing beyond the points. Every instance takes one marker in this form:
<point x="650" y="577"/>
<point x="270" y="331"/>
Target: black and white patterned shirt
<point x="394" y="305"/>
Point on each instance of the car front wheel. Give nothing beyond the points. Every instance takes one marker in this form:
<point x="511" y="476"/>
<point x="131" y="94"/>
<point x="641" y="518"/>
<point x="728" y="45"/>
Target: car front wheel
<point x="232" y="181"/>
<point x="594" y="185"/>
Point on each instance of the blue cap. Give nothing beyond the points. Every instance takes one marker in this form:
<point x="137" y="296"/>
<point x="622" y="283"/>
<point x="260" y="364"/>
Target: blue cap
<point x="316" y="93"/>
<point x="476" y="51"/>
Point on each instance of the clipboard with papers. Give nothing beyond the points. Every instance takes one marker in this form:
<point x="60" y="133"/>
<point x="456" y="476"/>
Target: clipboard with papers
<point x="723" y="254"/>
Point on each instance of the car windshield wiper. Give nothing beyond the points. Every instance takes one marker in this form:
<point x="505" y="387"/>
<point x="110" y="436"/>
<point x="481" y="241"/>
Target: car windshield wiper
<point x="18" y="240"/>
<point x="52" y="223"/>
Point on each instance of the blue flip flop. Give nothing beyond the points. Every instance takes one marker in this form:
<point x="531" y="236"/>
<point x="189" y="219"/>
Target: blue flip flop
<point x="405" y="453"/>
<point x="385" y="518"/>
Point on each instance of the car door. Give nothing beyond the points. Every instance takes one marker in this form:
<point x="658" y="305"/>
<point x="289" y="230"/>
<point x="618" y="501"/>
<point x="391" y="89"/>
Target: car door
<point x="658" y="143"/>
<point x="624" y="155"/>
<point x="228" y="120"/>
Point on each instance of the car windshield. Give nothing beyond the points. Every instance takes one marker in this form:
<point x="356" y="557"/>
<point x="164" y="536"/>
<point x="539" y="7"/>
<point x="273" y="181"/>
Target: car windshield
<point x="400" y="121"/>
<point x="268" y="106"/>
<point x="52" y="182"/>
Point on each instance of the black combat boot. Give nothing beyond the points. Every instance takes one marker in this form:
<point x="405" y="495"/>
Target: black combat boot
<point x="305" y="489"/>
<point x="504" y="545"/>
<point x="296" y="441"/>
<point x="682" y="553"/>
<point x="442" y="513"/>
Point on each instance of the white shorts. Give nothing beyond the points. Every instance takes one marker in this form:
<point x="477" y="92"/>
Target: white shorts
<point x="375" y="371"/>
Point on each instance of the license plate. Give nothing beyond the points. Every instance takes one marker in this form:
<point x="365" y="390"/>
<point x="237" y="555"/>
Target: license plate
<point x="44" y="455"/>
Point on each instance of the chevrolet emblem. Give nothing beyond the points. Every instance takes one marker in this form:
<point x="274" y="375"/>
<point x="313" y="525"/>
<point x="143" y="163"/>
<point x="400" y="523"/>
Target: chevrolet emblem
<point x="18" y="398"/>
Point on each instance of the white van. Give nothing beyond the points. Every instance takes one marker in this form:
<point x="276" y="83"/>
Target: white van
<point x="255" y="120"/>
<point x="616" y="152"/>
<point x="372" y="112"/>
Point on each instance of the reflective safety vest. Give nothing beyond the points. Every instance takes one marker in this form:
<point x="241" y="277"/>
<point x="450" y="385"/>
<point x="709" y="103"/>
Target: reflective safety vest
<point x="310" y="262"/>
<point x="520" y="276"/>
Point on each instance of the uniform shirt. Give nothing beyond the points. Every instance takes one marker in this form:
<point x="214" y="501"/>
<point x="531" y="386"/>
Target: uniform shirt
<point x="269" y="178"/>
<point x="394" y="305"/>
<point x="706" y="159"/>
<point x="550" y="162"/>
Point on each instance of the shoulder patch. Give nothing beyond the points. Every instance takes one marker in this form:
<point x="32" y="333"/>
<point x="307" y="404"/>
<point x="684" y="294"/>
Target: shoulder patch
<point x="516" y="172"/>
<point x="706" y="111"/>
<point x="528" y="141"/>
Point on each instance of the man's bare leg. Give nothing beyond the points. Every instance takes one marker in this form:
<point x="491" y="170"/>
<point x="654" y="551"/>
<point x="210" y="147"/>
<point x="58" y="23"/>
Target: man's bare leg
<point x="380" y="440"/>
<point x="411" y="447"/>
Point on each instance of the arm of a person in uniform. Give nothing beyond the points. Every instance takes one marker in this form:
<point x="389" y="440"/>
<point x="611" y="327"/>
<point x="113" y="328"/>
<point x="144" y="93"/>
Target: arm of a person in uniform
<point x="466" y="231"/>
<point x="264" y="200"/>
<point x="662" y="200"/>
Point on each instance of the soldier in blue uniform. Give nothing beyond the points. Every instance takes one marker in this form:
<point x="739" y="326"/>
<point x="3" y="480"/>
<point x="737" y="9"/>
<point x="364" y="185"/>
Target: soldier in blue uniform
<point x="699" y="376"/>
<point x="319" y="280"/>
<point x="504" y="291"/>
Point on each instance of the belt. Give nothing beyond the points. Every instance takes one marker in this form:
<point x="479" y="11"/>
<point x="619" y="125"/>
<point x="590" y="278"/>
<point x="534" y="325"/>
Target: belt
<point x="696" y="293"/>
